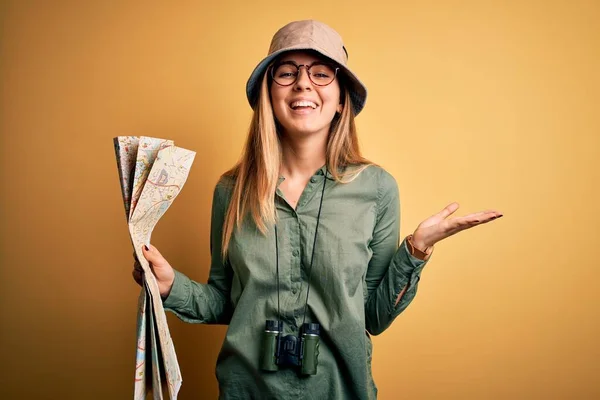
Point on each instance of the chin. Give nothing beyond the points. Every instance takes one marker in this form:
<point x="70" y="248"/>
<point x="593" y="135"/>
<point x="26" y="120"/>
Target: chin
<point x="305" y="127"/>
<point x="304" y="130"/>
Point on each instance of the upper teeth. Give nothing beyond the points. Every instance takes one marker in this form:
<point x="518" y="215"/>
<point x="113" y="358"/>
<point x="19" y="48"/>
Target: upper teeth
<point x="303" y="103"/>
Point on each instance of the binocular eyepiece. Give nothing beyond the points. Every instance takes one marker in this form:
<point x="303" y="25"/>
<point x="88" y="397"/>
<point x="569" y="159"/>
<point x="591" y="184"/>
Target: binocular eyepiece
<point x="291" y="350"/>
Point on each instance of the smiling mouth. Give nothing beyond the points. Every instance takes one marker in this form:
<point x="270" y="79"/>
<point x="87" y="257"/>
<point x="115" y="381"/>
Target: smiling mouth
<point x="303" y="105"/>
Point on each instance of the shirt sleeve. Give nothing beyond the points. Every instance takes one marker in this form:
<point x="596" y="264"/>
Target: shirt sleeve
<point x="206" y="303"/>
<point x="391" y="268"/>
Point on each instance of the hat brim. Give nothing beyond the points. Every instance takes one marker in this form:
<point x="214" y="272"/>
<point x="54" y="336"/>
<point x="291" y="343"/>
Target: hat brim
<point x="358" y="91"/>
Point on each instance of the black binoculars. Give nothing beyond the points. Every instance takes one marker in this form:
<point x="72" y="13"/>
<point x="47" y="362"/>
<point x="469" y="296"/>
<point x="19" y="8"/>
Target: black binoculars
<point x="291" y="350"/>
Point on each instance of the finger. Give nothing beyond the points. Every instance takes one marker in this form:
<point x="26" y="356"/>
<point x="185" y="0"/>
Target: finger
<point x="457" y="224"/>
<point x="461" y="223"/>
<point x="479" y="213"/>
<point x="150" y="252"/>
<point x="137" y="267"/>
<point x="485" y="214"/>
<point x="136" y="261"/>
<point x="448" y="210"/>
<point x="137" y="276"/>
<point x="155" y="259"/>
<point x="489" y="218"/>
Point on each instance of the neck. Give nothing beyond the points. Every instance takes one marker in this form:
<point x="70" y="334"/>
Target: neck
<point x="302" y="156"/>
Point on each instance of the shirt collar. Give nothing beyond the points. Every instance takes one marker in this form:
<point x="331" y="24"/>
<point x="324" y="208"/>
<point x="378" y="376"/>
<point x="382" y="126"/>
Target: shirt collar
<point x="320" y="172"/>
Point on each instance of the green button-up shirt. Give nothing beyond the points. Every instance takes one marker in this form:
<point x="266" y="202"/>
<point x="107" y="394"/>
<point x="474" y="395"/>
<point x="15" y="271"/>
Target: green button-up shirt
<point x="358" y="272"/>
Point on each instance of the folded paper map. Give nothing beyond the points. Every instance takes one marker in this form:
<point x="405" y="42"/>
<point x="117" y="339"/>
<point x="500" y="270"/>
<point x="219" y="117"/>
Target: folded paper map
<point x="152" y="172"/>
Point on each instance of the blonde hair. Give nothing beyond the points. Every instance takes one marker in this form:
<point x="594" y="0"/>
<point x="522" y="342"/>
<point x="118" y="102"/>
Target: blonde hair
<point x="256" y="174"/>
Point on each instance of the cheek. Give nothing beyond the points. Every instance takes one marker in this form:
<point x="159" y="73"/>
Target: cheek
<point x="277" y="102"/>
<point x="331" y="103"/>
<point x="331" y="97"/>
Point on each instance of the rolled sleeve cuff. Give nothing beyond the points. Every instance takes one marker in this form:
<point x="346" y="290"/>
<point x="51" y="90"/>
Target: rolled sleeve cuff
<point x="414" y="264"/>
<point x="408" y="268"/>
<point x="180" y="293"/>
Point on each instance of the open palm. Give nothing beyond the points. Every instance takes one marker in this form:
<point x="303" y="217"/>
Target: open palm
<point x="439" y="226"/>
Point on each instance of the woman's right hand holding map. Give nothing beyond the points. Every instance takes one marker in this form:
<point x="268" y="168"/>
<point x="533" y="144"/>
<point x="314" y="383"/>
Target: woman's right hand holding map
<point x="162" y="270"/>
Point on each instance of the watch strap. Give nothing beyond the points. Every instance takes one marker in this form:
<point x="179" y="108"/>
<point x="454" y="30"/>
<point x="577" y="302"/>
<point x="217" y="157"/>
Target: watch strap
<point x="418" y="253"/>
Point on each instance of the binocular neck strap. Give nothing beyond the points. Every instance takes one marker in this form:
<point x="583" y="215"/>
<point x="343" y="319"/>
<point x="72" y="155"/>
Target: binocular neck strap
<point x="311" y="257"/>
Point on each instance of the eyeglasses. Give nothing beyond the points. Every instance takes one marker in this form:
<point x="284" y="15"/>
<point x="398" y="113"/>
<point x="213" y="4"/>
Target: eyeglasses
<point x="286" y="73"/>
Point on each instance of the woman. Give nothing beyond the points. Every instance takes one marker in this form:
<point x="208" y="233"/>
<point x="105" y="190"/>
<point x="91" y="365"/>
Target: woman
<point x="304" y="230"/>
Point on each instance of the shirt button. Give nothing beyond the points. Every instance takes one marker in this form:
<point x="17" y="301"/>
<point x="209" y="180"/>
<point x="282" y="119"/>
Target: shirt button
<point x="295" y="253"/>
<point x="313" y="179"/>
<point x="294" y="290"/>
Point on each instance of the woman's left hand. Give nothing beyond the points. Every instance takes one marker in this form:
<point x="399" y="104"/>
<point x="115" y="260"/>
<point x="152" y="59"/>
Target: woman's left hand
<point x="439" y="226"/>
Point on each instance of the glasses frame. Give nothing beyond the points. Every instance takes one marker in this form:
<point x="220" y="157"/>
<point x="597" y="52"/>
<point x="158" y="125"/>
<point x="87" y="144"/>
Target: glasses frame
<point x="308" y="67"/>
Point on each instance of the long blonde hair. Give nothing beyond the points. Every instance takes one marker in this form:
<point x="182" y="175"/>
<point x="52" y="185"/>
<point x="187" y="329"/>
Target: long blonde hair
<point x="256" y="174"/>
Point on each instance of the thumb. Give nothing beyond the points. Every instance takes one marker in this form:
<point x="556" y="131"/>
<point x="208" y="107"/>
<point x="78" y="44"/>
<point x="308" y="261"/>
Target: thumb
<point x="448" y="210"/>
<point x="151" y="253"/>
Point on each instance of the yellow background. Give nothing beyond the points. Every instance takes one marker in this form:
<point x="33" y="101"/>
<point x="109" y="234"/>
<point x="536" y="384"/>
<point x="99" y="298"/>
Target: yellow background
<point x="492" y="104"/>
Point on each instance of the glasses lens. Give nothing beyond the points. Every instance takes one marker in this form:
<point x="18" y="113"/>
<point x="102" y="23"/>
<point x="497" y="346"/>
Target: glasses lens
<point x="285" y="74"/>
<point x="322" y="74"/>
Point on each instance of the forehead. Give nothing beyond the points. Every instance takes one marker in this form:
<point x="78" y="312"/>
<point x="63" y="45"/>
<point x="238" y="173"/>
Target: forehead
<point x="302" y="57"/>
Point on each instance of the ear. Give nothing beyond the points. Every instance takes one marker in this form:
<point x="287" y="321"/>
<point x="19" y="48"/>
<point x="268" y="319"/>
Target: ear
<point x="339" y="109"/>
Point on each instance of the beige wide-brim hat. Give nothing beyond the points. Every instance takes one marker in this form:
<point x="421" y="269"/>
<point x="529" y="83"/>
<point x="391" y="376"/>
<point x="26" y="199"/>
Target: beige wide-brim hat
<point x="309" y="35"/>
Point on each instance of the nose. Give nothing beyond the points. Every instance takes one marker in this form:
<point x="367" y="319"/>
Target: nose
<point x="303" y="81"/>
